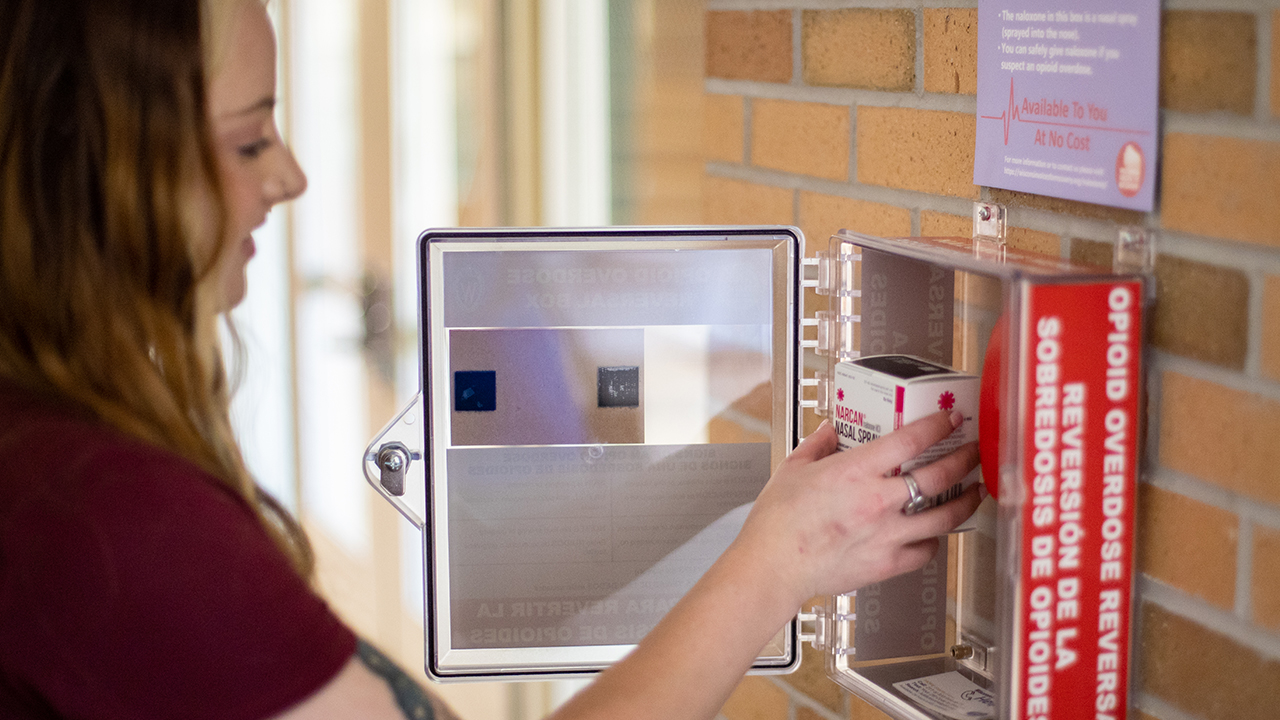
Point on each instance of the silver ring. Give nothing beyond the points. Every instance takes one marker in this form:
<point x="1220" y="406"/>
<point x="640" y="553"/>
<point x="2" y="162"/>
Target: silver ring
<point x="916" y="502"/>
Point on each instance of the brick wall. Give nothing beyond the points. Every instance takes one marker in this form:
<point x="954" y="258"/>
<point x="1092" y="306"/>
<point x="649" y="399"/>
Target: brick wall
<point x="860" y="114"/>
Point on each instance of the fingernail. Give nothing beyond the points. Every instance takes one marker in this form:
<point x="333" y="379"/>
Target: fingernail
<point x="957" y="418"/>
<point x="982" y="491"/>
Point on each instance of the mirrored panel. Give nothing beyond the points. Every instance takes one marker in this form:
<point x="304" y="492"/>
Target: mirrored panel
<point x="603" y="406"/>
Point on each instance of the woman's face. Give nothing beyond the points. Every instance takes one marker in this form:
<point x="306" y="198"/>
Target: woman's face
<point x="256" y="168"/>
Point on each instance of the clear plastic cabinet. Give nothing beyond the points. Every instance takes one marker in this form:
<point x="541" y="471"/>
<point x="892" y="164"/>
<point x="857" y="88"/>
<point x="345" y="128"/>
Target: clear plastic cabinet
<point x="1025" y="612"/>
<point x="600" y="407"/>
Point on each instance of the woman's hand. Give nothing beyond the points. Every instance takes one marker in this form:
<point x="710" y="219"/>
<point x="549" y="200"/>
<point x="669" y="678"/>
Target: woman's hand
<point x="829" y="522"/>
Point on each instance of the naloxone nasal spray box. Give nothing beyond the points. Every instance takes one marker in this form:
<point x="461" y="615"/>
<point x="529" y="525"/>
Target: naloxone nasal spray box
<point x="880" y="393"/>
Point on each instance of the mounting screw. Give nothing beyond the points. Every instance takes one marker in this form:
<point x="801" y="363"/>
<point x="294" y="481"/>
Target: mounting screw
<point x="393" y="461"/>
<point x="984" y="214"/>
<point x="961" y="652"/>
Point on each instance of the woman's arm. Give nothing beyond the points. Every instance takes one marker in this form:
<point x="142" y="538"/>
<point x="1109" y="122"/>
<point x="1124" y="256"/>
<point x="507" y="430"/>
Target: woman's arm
<point x="370" y="687"/>
<point x="826" y="523"/>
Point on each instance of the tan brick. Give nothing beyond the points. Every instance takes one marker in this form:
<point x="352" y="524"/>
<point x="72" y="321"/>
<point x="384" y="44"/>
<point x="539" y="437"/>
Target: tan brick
<point x="1208" y="61"/>
<point x="810" y="421"/>
<point x="860" y="48"/>
<point x="1036" y="241"/>
<point x="1187" y="544"/>
<point x="739" y="422"/>
<point x="753" y="45"/>
<point x="801" y="137"/>
<point x="982" y="596"/>
<point x="966" y="337"/>
<point x="734" y="202"/>
<point x="936" y="224"/>
<point x="926" y="150"/>
<point x="1202" y="672"/>
<point x="1275" y="64"/>
<point x="1013" y="198"/>
<point x="1271" y="328"/>
<point x="1202" y="311"/>
<point x="756" y="698"/>
<point x="811" y="679"/>
<point x="821" y="216"/>
<point x="953" y="563"/>
<point x="722" y="127"/>
<point x="860" y="709"/>
<point x="1265" y="595"/>
<point x="1222" y="435"/>
<point x="812" y="300"/>
<point x="804" y="713"/>
<point x="980" y="292"/>
<point x="1221" y="187"/>
<point x="951" y="50"/>
<point x="727" y="429"/>
<point x="1091" y="252"/>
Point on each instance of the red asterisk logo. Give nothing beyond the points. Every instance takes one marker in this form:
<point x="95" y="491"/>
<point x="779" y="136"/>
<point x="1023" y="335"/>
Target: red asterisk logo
<point x="946" y="401"/>
<point x="840" y="394"/>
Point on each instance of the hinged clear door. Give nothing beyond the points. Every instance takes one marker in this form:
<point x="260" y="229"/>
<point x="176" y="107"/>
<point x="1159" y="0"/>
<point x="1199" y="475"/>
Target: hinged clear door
<point x="600" y="408"/>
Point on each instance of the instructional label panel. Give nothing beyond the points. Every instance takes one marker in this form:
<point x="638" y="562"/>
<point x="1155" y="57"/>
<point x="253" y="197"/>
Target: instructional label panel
<point x="1067" y="99"/>
<point x="565" y="546"/>
<point x="597" y="289"/>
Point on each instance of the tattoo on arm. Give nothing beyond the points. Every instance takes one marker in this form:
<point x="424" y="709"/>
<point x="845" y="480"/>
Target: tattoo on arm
<point x="413" y="701"/>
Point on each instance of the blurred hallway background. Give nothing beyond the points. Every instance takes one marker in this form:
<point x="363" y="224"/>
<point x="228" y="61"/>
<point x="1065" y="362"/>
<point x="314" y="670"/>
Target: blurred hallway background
<point x="410" y="114"/>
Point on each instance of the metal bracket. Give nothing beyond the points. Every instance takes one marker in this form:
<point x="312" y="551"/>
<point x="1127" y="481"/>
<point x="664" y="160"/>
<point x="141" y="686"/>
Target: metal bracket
<point x="990" y="230"/>
<point x="393" y="461"/>
<point x="989" y="220"/>
<point x="975" y="653"/>
<point x="389" y="463"/>
<point x="1135" y="250"/>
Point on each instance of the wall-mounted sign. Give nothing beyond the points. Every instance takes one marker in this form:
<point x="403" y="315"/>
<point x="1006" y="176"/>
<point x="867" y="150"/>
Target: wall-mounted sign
<point x="1067" y="99"/>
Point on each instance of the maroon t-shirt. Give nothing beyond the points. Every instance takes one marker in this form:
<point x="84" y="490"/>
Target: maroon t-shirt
<point x="132" y="585"/>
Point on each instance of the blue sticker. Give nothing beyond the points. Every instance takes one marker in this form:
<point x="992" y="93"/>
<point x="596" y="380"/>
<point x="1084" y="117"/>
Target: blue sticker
<point x="475" y="391"/>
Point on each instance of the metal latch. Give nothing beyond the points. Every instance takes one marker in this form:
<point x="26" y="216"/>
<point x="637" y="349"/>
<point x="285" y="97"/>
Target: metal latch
<point x="975" y="653"/>
<point x="1135" y="250"/>
<point x="990" y="230"/>
<point x="389" y="462"/>
<point x="393" y="462"/>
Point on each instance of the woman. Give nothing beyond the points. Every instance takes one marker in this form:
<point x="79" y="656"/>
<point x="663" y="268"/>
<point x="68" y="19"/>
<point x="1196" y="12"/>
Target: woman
<point x="142" y="573"/>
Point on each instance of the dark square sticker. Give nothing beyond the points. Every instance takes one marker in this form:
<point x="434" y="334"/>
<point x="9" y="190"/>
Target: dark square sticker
<point x="475" y="390"/>
<point x="618" y="386"/>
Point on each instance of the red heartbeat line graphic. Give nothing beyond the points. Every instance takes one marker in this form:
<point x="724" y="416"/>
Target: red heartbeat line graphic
<point x="1014" y="113"/>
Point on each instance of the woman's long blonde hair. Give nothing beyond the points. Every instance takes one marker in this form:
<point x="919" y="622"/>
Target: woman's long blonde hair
<point x="107" y="292"/>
